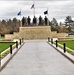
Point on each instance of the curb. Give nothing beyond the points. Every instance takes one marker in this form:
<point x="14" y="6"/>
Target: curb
<point x="1" y="67"/>
<point x="66" y="56"/>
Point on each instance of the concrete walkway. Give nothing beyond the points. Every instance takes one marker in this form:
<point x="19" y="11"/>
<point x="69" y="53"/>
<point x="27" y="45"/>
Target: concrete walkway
<point x="38" y="58"/>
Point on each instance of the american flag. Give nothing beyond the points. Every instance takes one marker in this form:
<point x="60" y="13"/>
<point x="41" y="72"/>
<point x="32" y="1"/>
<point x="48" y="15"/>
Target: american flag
<point x="32" y="6"/>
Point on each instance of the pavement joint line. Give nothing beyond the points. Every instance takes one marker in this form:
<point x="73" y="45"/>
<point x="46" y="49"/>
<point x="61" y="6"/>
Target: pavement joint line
<point x="66" y="56"/>
<point x="2" y="67"/>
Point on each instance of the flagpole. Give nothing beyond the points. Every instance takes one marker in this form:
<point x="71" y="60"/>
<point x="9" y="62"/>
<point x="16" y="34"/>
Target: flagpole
<point x="20" y="19"/>
<point x="34" y="8"/>
<point x="48" y="16"/>
<point x="19" y="14"/>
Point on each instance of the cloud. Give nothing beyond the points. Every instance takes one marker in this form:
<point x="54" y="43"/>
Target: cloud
<point x="58" y="9"/>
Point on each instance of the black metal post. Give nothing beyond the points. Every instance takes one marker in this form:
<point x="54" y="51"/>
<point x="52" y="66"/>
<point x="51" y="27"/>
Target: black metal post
<point x="10" y="49"/>
<point x="20" y="41"/>
<point x="48" y="39"/>
<point x="52" y="40"/>
<point x="64" y="47"/>
<point x="56" y="43"/>
<point x="16" y="44"/>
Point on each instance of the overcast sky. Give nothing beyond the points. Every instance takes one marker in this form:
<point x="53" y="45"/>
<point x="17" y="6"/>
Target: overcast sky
<point x="58" y="9"/>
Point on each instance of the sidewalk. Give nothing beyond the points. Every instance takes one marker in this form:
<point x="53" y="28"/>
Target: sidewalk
<point x="38" y="58"/>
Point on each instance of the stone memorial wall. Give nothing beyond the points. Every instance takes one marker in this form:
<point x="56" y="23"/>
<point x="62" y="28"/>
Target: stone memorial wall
<point x="35" y="32"/>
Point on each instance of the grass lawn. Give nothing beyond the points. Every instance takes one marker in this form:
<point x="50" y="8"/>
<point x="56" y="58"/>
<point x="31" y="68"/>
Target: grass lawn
<point x="69" y="44"/>
<point x="4" y="46"/>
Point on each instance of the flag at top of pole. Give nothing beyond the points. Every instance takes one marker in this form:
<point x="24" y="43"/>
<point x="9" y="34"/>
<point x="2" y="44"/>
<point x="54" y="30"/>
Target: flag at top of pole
<point x="19" y="13"/>
<point x="45" y="12"/>
<point x="32" y="6"/>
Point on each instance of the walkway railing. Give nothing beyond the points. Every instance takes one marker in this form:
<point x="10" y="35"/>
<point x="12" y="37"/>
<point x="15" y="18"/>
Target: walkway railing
<point x="56" y="42"/>
<point x="10" y="52"/>
<point x="63" y="49"/>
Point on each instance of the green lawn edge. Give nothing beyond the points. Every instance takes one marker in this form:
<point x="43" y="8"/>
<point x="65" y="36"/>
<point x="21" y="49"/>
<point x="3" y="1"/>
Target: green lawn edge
<point x="8" y="51"/>
<point x="67" y="49"/>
